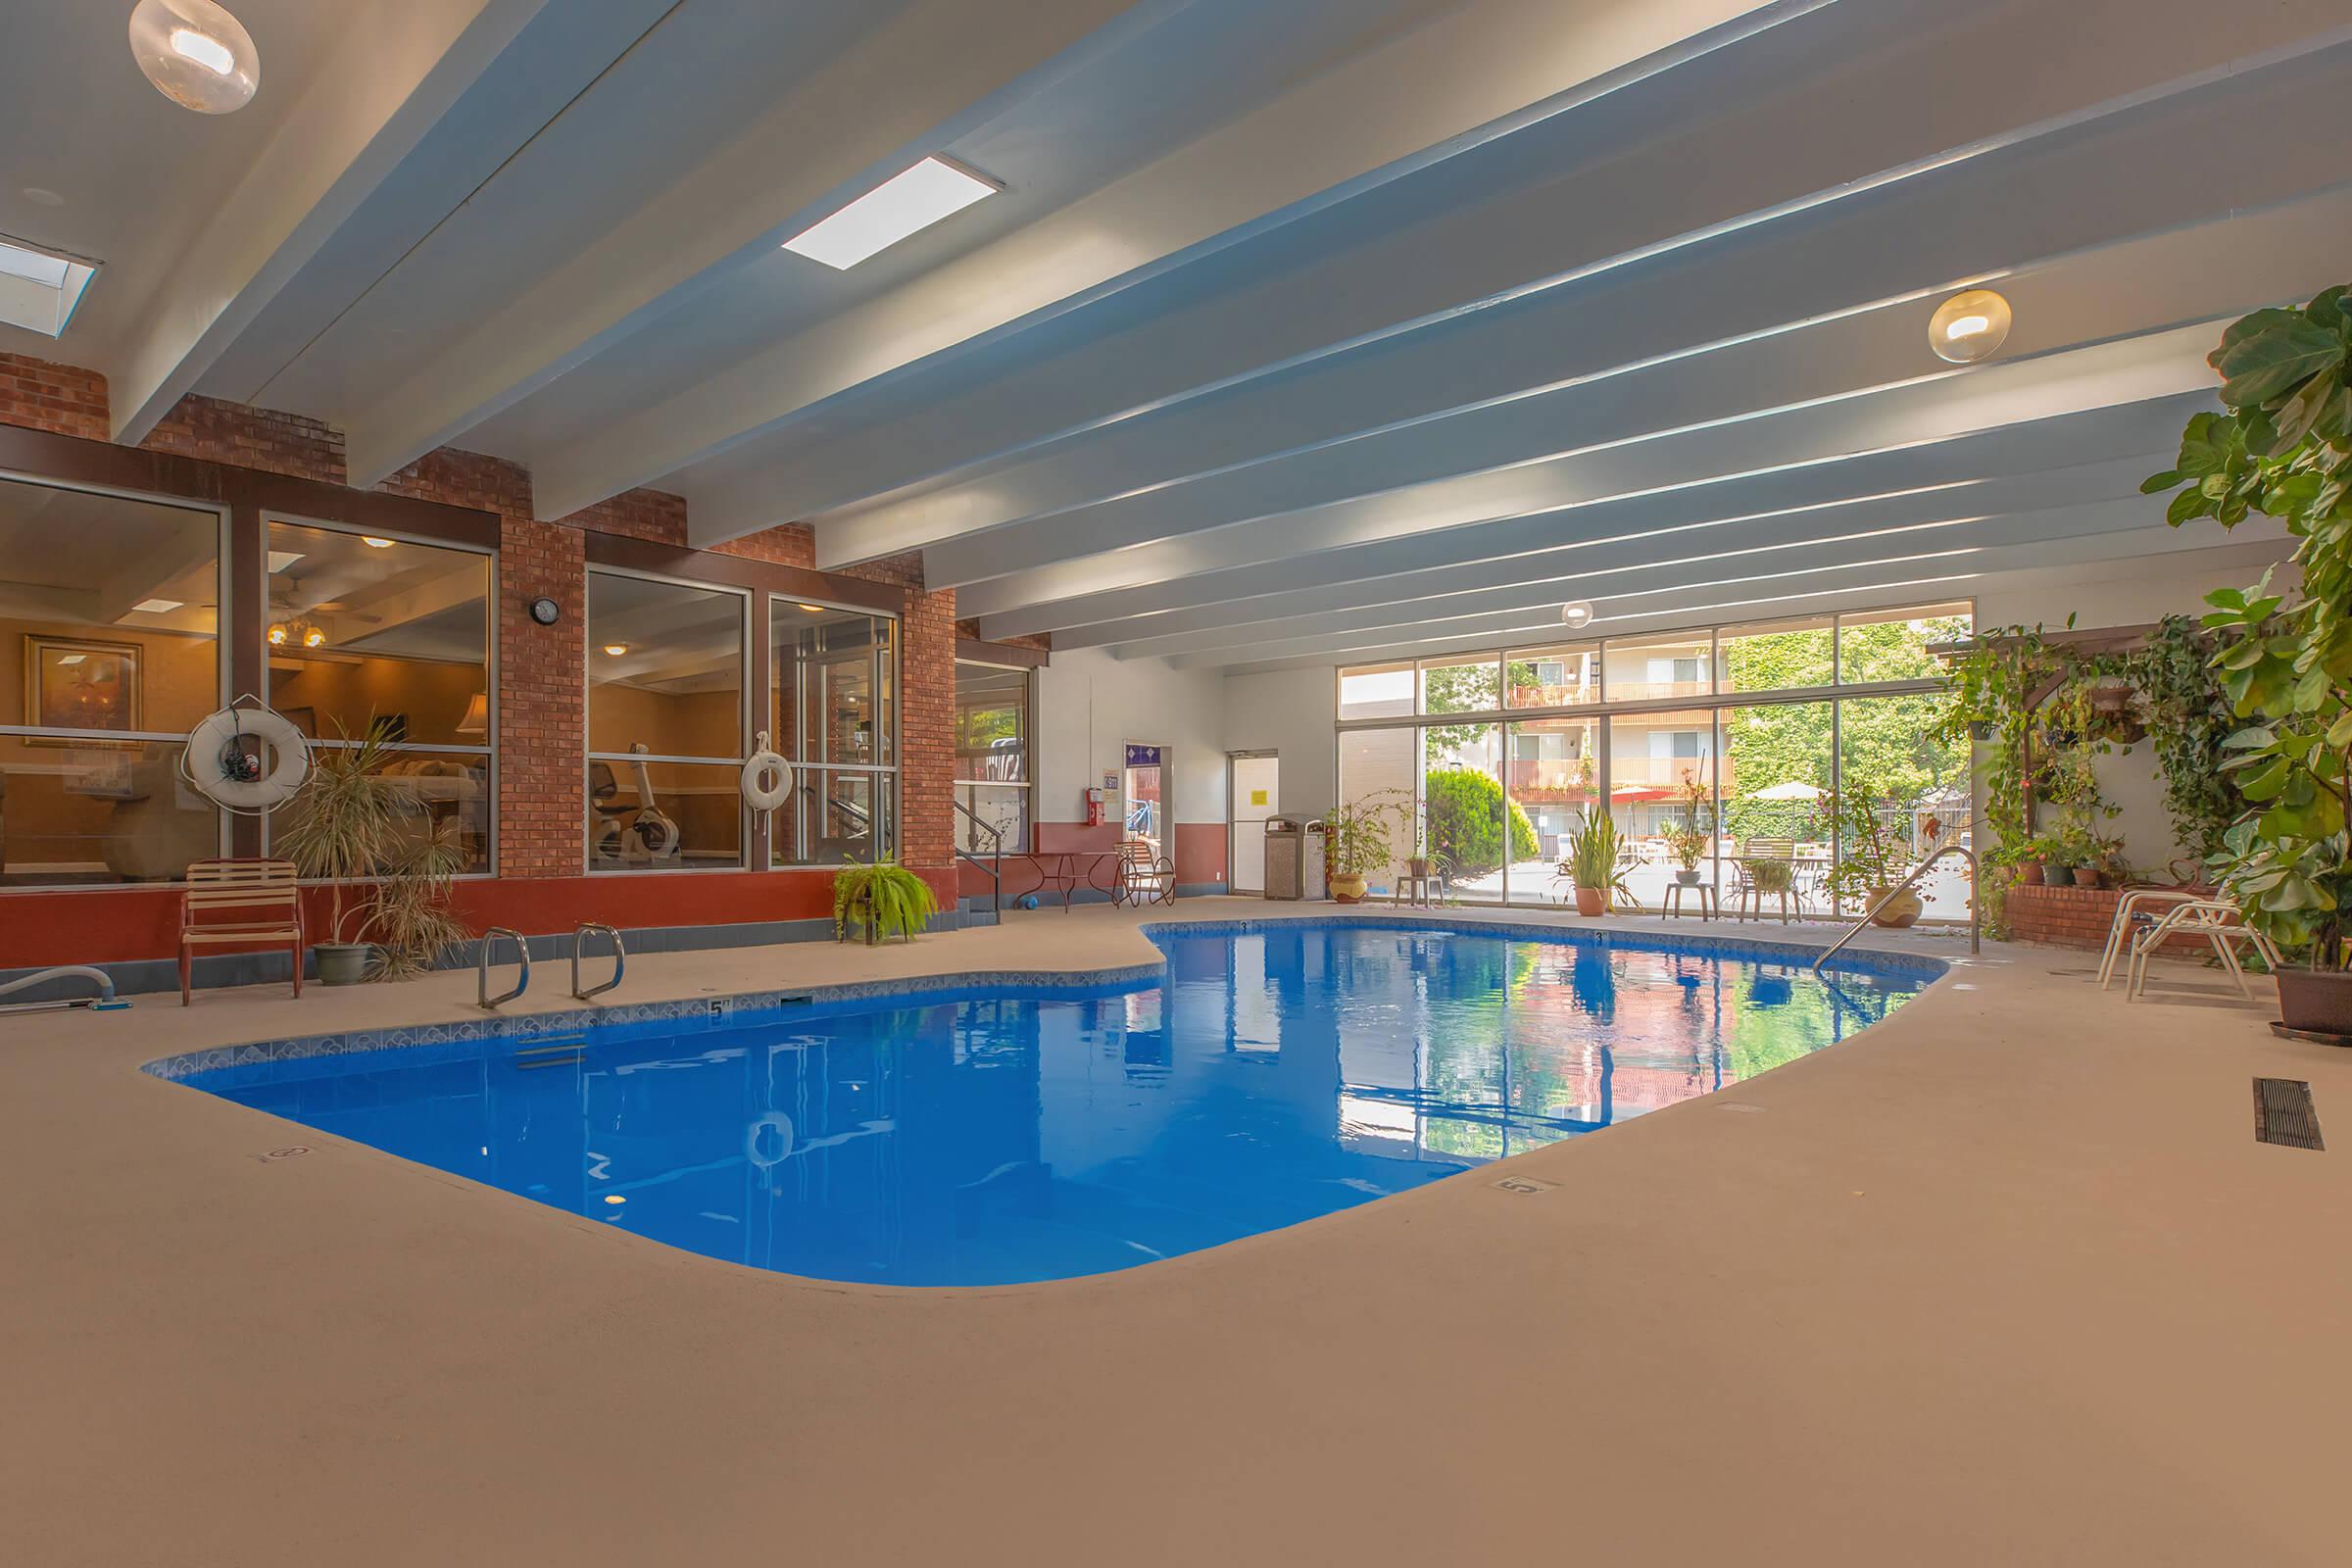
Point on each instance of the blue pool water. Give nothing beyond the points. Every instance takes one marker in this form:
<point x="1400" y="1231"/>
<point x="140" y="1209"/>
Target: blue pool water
<point x="979" y="1138"/>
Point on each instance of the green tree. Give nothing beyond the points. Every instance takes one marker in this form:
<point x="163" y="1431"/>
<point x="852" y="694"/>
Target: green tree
<point x="1463" y="809"/>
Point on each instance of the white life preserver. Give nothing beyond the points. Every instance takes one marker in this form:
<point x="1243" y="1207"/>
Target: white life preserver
<point x="763" y="796"/>
<point x="759" y="1157"/>
<point x="203" y="762"/>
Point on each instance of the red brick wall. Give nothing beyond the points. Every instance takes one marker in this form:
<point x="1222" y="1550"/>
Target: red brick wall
<point x="2078" y="917"/>
<point x="61" y="399"/>
<point x="542" y="720"/>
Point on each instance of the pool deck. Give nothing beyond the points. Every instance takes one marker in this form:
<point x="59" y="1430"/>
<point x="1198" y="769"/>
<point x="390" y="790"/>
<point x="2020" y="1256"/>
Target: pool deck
<point x="2003" y="1280"/>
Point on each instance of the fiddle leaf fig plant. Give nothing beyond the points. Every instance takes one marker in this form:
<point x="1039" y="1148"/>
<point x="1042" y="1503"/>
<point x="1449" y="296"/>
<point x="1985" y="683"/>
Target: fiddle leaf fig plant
<point x="2282" y="448"/>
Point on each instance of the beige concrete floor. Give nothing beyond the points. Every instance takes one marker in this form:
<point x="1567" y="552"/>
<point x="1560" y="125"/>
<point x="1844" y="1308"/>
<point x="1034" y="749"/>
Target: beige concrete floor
<point x="2004" y="1280"/>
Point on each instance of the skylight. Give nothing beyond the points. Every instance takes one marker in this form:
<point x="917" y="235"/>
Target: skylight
<point x="903" y="205"/>
<point x="40" y="288"/>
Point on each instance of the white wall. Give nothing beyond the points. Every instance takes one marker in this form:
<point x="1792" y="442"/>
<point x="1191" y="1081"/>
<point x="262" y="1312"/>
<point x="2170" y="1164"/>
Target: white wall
<point x="1290" y="712"/>
<point x="1090" y="705"/>
<point x="2120" y="596"/>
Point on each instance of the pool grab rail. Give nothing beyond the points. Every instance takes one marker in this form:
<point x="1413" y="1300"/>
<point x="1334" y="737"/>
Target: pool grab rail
<point x="621" y="958"/>
<point x="1975" y="902"/>
<point x="523" y="950"/>
<point x="103" y="1002"/>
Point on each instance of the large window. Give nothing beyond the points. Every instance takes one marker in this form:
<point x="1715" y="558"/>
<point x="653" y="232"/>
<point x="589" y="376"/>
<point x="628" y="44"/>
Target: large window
<point x="1758" y="727"/>
<point x="666" y="731"/>
<point x="110" y="650"/>
<point x="372" y="635"/>
<point x="833" y="679"/>
<point x="992" y="756"/>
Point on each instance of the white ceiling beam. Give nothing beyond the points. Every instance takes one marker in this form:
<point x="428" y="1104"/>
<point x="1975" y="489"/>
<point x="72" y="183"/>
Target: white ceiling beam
<point x="364" y="109"/>
<point x="1894" y="482"/>
<point x="1580" y="569"/>
<point x="930" y="71"/>
<point x="1761" y="597"/>
<point x="1408" y="101"/>
<point x="1626" y="572"/>
<point x="2076" y="180"/>
<point x="1986" y="398"/>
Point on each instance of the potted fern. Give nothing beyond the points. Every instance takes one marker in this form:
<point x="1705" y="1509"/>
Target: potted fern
<point x="1593" y="843"/>
<point x="878" y="898"/>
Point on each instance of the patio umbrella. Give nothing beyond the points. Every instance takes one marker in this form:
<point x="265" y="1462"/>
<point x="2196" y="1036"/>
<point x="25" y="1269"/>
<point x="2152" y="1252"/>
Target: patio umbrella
<point x="1793" y="790"/>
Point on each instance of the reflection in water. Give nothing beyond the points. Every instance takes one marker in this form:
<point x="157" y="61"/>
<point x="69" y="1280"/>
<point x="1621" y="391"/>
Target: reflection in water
<point x="1272" y="1077"/>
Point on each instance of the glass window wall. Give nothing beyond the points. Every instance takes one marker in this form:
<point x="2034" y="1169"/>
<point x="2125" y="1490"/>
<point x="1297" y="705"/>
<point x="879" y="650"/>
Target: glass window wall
<point x="666" y="735"/>
<point x="833" y="683"/>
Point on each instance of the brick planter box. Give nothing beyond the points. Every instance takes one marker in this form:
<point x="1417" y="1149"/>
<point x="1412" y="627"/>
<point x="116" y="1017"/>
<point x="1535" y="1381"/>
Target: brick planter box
<point x="2079" y="917"/>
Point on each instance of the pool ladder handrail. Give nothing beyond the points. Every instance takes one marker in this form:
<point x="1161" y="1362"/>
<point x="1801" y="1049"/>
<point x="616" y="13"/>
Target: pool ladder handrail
<point x="620" y="959"/>
<point x="481" y="968"/>
<point x="1976" y="903"/>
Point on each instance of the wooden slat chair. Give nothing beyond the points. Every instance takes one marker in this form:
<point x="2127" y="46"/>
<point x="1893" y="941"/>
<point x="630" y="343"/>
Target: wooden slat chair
<point x="246" y="904"/>
<point x="1142" y="876"/>
<point x="1750" y="897"/>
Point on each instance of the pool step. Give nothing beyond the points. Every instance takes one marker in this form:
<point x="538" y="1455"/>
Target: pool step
<point x="557" y="1050"/>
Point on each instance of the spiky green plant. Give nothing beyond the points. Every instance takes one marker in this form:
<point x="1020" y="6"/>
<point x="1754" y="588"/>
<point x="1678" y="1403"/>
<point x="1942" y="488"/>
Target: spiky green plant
<point x="1594" y="844"/>
<point x="410" y="922"/>
<point x="880" y="897"/>
<point x="340" y="828"/>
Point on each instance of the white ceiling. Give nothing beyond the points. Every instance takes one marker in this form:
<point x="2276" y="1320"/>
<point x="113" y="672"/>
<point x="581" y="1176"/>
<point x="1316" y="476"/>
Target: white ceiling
<point x="1301" y="329"/>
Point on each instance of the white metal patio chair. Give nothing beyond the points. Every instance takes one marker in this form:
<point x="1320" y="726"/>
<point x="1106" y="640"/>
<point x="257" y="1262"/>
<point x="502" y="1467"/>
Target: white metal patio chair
<point x="2128" y="915"/>
<point x="2217" y="921"/>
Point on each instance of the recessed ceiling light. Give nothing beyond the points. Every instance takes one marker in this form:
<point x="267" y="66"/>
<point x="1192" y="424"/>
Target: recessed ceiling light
<point x="903" y="205"/>
<point x="281" y="560"/>
<point x="814" y="610"/>
<point x="1969" y="326"/>
<point x="617" y="648"/>
<point x="197" y="55"/>
<point x="41" y="196"/>
<point x="156" y="606"/>
<point x="40" y="287"/>
<point x="374" y="543"/>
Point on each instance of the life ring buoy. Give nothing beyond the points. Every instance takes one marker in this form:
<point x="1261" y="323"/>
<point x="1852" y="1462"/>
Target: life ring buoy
<point x="205" y="761"/>
<point x="762" y="764"/>
<point x="759" y="1157"/>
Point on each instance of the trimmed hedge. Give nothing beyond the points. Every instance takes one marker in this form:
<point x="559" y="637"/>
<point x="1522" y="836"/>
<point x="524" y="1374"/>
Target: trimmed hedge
<point x="1465" y="810"/>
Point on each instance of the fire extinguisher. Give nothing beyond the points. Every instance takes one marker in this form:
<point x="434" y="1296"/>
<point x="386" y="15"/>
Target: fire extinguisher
<point x="1093" y="807"/>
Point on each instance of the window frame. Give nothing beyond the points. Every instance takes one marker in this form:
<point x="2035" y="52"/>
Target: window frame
<point x="488" y="749"/>
<point x="223" y="535"/>
<point x="747" y="689"/>
<point x="1029" y="750"/>
<point x="768" y="599"/>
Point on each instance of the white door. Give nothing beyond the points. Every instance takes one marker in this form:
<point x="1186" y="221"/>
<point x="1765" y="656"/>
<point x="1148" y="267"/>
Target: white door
<point x="1256" y="795"/>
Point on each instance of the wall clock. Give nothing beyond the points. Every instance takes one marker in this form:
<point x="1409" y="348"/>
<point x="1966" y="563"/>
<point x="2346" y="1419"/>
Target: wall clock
<point x="545" y="612"/>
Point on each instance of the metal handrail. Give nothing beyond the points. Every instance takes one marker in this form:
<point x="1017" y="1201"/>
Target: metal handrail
<point x="481" y="968"/>
<point x="620" y="959"/>
<point x="1976" y="903"/>
<point x="996" y="874"/>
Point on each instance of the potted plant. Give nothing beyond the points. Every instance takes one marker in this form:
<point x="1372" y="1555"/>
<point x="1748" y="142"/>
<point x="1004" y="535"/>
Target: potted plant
<point x="1872" y="859"/>
<point x="879" y="898"/>
<point x="1593" y="843"/>
<point x="339" y="830"/>
<point x="1360" y="842"/>
<point x="2283" y="448"/>
<point x="1687" y="840"/>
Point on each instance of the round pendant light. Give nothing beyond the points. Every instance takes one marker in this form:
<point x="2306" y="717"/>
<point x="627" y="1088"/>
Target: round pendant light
<point x="197" y="55"/>
<point x="1969" y="326"/>
<point x="1576" y="615"/>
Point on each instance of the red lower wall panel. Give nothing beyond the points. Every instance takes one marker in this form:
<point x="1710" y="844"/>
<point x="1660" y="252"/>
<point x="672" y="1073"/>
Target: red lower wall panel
<point x="121" y="924"/>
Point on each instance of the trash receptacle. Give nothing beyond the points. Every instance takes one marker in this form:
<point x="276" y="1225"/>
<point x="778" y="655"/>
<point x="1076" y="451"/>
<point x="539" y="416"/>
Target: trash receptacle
<point x="1293" y="859"/>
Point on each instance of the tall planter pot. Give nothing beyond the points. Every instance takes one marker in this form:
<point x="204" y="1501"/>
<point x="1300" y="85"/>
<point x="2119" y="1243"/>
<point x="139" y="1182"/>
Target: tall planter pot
<point x="2316" y="999"/>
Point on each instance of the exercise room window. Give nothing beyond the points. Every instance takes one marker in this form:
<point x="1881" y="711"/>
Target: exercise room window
<point x="666" y="738"/>
<point x="834" y="680"/>
<point x="992" y="755"/>
<point x="370" y="635"/>
<point x="110" y="652"/>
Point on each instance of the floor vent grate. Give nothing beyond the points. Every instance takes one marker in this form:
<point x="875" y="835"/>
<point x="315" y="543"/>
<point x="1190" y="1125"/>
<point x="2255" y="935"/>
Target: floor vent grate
<point x="2284" y="1115"/>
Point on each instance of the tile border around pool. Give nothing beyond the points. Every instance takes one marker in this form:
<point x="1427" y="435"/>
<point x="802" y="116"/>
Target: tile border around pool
<point x="946" y="984"/>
